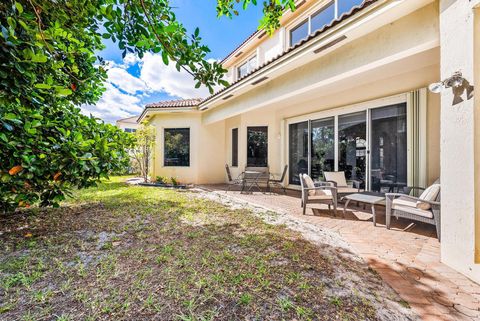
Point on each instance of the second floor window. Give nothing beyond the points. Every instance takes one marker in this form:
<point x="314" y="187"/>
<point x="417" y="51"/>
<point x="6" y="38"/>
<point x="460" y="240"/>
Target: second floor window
<point x="321" y="18"/>
<point x="247" y="67"/>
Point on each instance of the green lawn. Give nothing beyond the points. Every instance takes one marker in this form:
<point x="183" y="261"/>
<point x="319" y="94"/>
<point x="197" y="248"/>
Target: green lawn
<point x="121" y="252"/>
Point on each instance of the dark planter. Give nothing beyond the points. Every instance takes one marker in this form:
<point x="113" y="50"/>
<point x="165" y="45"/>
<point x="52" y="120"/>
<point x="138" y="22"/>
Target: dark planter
<point x="163" y="185"/>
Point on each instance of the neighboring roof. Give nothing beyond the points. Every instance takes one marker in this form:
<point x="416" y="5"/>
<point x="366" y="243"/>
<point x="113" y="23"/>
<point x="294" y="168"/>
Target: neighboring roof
<point x="132" y="119"/>
<point x="170" y="104"/>
<point x="335" y="22"/>
<point x="175" y="103"/>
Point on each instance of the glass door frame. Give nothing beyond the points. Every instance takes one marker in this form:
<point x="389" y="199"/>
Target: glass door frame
<point x="335" y="112"/>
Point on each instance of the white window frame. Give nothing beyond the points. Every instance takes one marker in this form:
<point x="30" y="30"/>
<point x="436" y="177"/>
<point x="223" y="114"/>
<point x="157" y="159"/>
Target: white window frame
<point x="247" y="62"/>
<point x="308" y="15"/>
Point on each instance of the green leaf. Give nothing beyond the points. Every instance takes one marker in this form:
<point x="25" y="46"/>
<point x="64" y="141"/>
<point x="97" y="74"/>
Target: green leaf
<point x="19" y="7"/>
<point x="63" y="92"/>
<point x="43" y="86"/>
<point x="10" y="116"/>
<point x="165" y="57"/>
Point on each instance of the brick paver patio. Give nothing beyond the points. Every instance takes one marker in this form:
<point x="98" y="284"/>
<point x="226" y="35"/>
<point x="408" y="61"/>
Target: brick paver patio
<point x="407" y="257"/>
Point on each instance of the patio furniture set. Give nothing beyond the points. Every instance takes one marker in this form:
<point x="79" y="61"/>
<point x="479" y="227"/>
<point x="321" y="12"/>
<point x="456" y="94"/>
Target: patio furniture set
<point x="253" y="178"/>
<point x="424" y="208"/>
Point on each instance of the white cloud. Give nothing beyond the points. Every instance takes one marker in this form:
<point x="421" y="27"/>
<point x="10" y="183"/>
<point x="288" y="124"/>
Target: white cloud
<point x="125" y="81"/>
<point x="125" y="92"/>
<point x="162" y="78"/>
<point x="114" y="105"/>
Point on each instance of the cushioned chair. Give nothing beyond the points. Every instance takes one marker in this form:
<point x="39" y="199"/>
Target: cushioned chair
<point x="323" y="192"/>
<point x="340" y="182"/>
<point x="425" y="208"/>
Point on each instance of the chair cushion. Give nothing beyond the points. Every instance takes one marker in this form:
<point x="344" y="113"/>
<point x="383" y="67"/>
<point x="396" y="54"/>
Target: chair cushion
<point x="321" y="197"/>
<point x="404" y="201"/>
<point x="430" y="194"/>
<point x="412" y="210"/>
<point x="347" y="190"/>
<point x="337" y="177"/>
<point x="310" y="184"/>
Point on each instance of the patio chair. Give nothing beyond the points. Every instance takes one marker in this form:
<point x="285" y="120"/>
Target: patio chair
<point x="340" y="182"/>
<point x="233" y="182"/>
<point x="323" y="192"/>
<point x="279" y="182"/>
<point x="425" y="208"/>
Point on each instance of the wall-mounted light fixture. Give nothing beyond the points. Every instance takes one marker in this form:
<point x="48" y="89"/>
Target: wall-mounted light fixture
<point x="458" y="84"/>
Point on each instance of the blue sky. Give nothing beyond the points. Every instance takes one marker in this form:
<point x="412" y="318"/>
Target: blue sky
<point x="133" y="83"/>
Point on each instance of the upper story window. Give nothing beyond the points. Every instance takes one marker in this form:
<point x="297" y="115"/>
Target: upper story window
<point x="247" y="67"/>
<point x="346" y="5"/>
<point x="321" y="18"/>
<point x="298" y="33"/>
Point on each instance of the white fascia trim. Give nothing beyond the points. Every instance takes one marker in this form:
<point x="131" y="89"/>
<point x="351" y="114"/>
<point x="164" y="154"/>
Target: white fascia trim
<point x="162" y="110"/>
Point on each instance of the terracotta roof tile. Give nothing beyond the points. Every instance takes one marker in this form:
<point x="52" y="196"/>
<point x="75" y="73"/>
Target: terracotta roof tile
<point x="343" y="17"/>
<point x="175" y="103"/>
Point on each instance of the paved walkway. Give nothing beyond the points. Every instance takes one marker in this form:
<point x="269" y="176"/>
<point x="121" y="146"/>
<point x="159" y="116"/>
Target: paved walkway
<point x="407" y="257"/>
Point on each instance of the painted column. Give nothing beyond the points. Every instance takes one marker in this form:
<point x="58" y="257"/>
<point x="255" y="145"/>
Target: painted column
<point x="457" y="143"/>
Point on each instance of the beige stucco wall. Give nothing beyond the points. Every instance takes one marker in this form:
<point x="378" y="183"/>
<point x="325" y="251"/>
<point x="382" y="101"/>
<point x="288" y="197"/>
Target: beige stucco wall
<point x="459" y="182"/>
<point x="206" y="148"/>
<point x="392" y="50"/>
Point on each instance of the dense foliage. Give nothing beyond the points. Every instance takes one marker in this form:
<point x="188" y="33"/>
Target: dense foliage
<point x="46" y="151"/>
<point x="49" y="67"/>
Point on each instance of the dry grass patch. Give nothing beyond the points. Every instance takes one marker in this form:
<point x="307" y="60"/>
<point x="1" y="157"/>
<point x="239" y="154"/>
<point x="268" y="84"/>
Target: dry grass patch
<point x="120" y="252"/>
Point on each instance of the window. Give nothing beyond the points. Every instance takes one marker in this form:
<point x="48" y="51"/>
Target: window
<point x="235" y="147"/>
<point x="298" y="33"/>
<point x="257" y="146"/>
<point x="298" y="156"/>
<point x="177" y="147"/>
<point x="129" y="130"/>
<point x="322" y="17"/>
<point x="247" y="67"/>
<point x="347" y="5"/>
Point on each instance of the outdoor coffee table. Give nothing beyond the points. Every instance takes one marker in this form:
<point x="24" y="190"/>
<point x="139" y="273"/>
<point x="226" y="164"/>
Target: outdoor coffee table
<point x="371" y="198"/>
<point x="250" y="180"/>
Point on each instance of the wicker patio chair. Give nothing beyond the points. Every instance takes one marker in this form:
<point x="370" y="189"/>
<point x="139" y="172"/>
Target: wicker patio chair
<point x="238" y="181"/>
<point x="340" y="182"/>
<point x="425" y="208"/>
<point x="279" y="182"/>
<point x="323" y="192"/>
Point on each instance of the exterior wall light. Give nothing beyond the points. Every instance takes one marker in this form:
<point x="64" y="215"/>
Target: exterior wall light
<point x="458" y="84"/>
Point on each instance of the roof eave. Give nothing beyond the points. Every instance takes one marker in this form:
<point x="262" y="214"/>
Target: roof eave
<point x="160" y="110"/>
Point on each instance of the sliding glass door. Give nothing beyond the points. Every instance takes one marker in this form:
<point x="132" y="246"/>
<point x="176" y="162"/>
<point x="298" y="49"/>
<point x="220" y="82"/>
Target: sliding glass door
<point x="322" y="132"/>
<point x="370" y="146"/>
<point x="388" y="148"/>
<point x="298" y="154"/>
<point x="352" y="145"/>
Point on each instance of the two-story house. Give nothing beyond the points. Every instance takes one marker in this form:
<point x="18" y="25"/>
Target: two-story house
<point x="343" y="86"/>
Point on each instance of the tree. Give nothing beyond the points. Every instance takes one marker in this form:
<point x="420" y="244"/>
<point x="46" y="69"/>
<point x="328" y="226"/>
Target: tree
<point x="143" y="148"/>
<point x="48" y="67"/>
